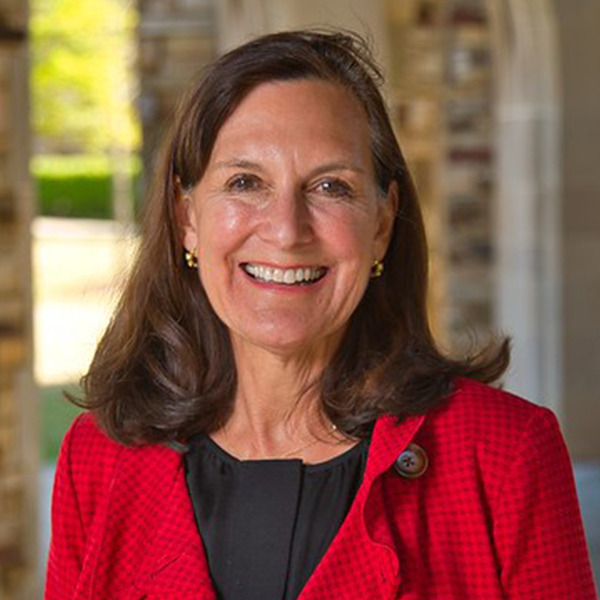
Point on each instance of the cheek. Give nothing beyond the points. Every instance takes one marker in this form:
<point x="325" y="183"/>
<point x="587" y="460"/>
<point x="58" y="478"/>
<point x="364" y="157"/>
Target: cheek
<point x="353" y="235"/>
<point x="221" y="229"/>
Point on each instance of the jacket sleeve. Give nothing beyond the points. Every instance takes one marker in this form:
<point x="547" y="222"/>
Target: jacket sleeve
<point x="67" y="540"/>
<point x="539" y="536"/>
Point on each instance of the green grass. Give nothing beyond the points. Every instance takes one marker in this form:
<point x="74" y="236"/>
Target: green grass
<point x="57" y="413"/>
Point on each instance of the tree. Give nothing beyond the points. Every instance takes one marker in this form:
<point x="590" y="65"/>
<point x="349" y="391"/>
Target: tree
<point x="82" y="61"/>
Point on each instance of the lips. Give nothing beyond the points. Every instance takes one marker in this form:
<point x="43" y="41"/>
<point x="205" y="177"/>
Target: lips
<point x="290" y="276"/>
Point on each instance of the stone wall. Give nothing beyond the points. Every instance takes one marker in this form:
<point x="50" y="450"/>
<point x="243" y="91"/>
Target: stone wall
<point x="441" y="97"/>
<point x="18" y="432"/>
<point x="176" y="39"/>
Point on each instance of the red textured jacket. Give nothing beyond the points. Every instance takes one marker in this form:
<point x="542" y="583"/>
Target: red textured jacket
<point x="495" y="515"/>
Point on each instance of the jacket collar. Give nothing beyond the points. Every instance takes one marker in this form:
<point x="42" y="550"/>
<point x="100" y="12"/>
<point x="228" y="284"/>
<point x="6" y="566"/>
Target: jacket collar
<point x="390" y="438"/>
<point x="174" y="560"/>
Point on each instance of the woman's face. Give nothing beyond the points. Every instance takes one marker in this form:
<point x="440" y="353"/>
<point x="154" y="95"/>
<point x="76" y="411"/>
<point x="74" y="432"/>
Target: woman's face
<point x="287" y="219"/>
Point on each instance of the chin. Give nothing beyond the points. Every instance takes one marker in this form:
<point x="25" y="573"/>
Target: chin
<point x="286" y="341"/>
<point x="287" y="345"/>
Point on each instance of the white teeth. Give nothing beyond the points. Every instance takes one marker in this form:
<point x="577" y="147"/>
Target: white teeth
<point x="286" y="276"/>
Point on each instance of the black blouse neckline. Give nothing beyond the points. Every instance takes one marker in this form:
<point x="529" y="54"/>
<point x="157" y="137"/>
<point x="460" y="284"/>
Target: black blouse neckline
<point x="212" y="446"/>
<point x="267" y="523"/>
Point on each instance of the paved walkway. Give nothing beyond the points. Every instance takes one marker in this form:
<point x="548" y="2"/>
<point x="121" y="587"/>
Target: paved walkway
<point x="77" y="268"/>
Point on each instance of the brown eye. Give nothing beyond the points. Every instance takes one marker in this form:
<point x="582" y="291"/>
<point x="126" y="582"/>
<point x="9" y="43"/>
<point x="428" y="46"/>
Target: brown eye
<point x="244" y="183"/>
<point x="335" y="188"/>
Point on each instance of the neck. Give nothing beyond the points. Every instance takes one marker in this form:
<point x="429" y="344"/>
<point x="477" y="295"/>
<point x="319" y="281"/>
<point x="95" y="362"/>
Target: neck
<point x="277" y="406"/>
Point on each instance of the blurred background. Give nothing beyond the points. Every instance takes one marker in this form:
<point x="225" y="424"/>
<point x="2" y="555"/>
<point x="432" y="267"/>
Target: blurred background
<point x="496" y="104"/>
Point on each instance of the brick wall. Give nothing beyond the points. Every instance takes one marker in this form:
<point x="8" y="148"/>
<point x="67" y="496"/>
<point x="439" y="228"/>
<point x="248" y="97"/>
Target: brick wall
<point x="18" y="448"/>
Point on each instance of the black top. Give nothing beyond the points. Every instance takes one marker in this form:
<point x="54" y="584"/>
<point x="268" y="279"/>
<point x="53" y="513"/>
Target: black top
<point x="266" y="524"/>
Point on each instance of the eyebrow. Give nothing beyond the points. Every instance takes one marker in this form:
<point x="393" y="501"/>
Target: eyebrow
<point x="337" y="166"/>
<point x="238" y="163"/>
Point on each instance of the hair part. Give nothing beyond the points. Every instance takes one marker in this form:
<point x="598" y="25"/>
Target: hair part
<point x="164" y="369"/>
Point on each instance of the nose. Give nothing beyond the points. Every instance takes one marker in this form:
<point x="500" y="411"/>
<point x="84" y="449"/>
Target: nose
<point x="286" y="221"/>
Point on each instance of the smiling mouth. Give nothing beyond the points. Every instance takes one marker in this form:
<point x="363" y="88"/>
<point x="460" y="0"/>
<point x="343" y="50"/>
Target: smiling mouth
<point x="295" y="276"/>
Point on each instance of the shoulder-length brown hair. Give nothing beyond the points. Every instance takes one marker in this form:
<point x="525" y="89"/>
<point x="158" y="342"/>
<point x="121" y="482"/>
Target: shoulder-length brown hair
<point x="164" y="368"/>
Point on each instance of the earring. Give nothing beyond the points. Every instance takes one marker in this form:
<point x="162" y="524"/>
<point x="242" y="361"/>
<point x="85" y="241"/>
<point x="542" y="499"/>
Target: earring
<point x="191" y="259"/>
<point x="376" y="269"/>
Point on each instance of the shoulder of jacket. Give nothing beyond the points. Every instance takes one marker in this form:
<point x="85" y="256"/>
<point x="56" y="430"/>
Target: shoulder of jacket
<point x="86" y="437"/>
<point x="95" y="459"/>
<point x="481" y="412"/>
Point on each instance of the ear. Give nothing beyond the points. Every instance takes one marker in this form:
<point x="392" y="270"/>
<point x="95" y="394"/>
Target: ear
<point x="186" y="217"/>
<point x="387" y="208"/>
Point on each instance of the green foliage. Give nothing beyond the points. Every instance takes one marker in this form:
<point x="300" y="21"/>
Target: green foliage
<point x="81" y="83"/>
<point x="77" y="186"/>
<point x="56" y="415"/>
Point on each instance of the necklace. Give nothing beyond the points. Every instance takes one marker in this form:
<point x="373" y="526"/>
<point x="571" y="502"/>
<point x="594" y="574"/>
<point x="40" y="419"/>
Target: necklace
<point x="332" y="429"/>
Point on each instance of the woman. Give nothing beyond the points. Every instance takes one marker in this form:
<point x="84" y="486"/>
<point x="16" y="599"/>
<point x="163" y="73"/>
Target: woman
<point x="269" y="415"/>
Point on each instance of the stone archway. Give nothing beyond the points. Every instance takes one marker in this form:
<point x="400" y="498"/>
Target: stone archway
<point x="527" y="206"/>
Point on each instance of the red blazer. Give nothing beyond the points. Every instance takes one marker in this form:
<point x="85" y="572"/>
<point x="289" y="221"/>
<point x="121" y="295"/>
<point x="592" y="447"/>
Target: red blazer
<point x="494" y="516"/>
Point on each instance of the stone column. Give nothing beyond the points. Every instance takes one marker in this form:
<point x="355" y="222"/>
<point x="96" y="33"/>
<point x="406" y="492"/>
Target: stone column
<point x="548" y="215"/>
<point x="579" y="223"/>
<point x="528" y="198"/>
<point x="18" y="406"/>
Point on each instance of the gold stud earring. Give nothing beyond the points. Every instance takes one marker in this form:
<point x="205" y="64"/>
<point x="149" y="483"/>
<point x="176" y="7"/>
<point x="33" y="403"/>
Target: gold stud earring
<point x="376" y="269"/>
<point x="191" y="259"/>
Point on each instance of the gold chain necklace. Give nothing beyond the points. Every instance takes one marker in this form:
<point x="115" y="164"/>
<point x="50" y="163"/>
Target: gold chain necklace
<point x="332" y="429"/>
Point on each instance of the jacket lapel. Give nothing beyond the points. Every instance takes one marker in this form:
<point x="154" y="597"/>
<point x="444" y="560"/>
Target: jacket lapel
<point x="176" y="563"/>
<point x="361" y="561"/>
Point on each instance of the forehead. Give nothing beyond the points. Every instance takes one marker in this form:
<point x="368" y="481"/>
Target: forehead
<point x="289" y="113"/>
